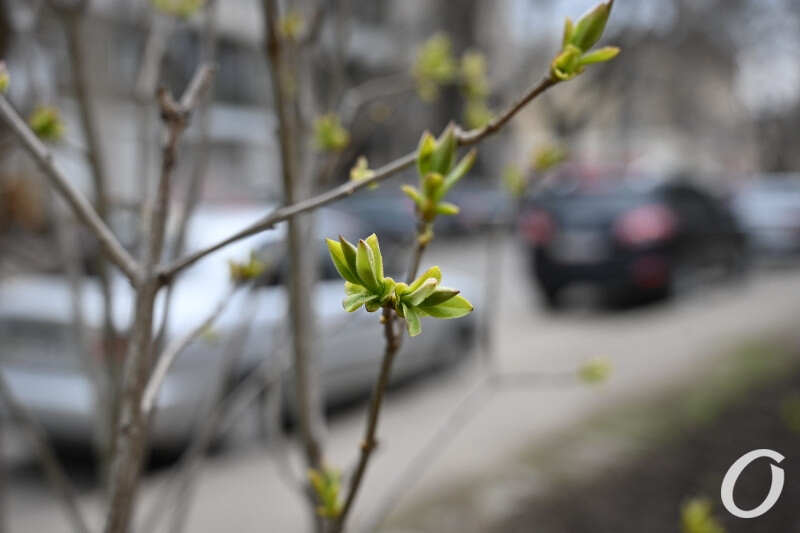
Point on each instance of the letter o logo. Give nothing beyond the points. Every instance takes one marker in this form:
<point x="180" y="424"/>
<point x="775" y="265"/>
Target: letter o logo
<point x="729" y="481"/>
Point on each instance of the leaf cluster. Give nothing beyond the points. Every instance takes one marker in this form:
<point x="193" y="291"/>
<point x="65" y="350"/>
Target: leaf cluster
<point x="243" y="272"/>
<point x="46" y="123"/>
<point x="438" y="172"/>
<point x="326" y="484"/>
<point x="329" y="134"/>
<point x="697" y="517"/>
<point x="434" y="66"/>
<point x="595" y="371"/>
<point x="578" y="40"/>
<point x="361" y="266"/>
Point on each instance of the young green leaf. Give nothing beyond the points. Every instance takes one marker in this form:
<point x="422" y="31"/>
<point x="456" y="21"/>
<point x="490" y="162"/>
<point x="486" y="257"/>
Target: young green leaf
<point x="340" y="262"/>
<point x="365" y="266"/>
<point x="600" y="55"/>
<point x="446" y="208"/>
<point x="417" y="296"/>
<point x="569" y="29"/>
<point x="412" y="321"/>
<point x="372" y="242"/>
<point x="354" y="288"/>
<point x="415" y="195"/>
<point x="590" y="26"/>
<point x="427" y="145"/>
<point x="440" y="295"/>
<point x="458" y="172"/>
<point x="433" y="272"/>
<point x="445" y="152"/>
<point x="354" y="301"/>
<point x="361" y="171"/>
<point x="349" y="251"/>
<point x="454" y="307"/>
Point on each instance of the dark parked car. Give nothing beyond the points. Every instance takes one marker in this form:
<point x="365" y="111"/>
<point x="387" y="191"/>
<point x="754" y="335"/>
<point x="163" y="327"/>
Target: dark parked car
<point x="629" y="240"/>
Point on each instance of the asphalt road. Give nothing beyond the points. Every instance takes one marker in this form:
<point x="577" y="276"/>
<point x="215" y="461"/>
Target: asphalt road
<point x="651" y="348"/>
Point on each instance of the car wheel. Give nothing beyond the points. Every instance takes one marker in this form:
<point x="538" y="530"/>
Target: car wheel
<point x="551" y="299"/>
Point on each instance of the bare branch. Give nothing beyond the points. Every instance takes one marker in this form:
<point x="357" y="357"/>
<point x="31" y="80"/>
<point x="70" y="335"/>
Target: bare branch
<point x="355" y="98"/>
<point x="218" y="420"/>
<point x="83" y="209"/>
<point x="455" y="422"/>
<point x="284" y="213"/>
<point x="497" y="123"/>
<point x="314" y="28"/>
<point x="369" y="442"/>
<point x="175" y="348"/>
<point x="154" y="49"/>
<point x="131" y="431"/>
<point x="50" y="463"/>
<point x="401" y="163"/>
<point x="199" y="84"/>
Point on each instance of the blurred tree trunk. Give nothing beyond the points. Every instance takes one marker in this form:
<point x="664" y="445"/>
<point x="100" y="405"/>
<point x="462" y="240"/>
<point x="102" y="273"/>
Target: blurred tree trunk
<point x="286" y="75"/>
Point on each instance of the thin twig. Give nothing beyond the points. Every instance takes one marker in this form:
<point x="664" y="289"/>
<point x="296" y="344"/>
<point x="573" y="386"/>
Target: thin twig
<point x="314" y="28"/>
<point x="222" y="415"/>
<point x="83" y="209"/>
<point x="38" y="440"/>
<point x="199" y="174"/>
<point x="355" y="98"/>
<point x="371" y="429"/>
<point x="455" y="422"/>
<point x="401" y="163"/>
<point x="176" y="347"/>
<point x="446" y="431"/>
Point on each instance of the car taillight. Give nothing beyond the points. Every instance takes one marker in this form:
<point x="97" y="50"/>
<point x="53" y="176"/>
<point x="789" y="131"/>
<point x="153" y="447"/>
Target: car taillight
<point x="647" y="224"/>
<point x="536" y="227"/>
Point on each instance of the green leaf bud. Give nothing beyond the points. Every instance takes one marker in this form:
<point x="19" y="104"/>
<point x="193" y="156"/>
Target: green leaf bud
<point x="247" y="271"/>
<point x="590" y="26"/>
<point x="46" y="123"/>
<point x="340" y="262"/>
<point x="445" y="152"/>
<point x="566" y="65"/>
<point x="4" y="77"/>
<point x="607" y="53"/>
<point x="595" y="371"/>
<point x="329" y="134"/>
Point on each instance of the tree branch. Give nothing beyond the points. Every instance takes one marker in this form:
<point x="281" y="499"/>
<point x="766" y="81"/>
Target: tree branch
<point x="369" y="442"/>
<point x="131" y="433"/>
<point x="466" y="410"/>
<point x="175" y="348"/>
<point x="280" y="214"/>
<point x="83" y="209"/>
<point x="47" y="456"/>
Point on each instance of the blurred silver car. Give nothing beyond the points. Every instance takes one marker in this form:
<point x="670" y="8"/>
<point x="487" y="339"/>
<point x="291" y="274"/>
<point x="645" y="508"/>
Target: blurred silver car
<point x="769" y="212"/>
<point x="40" y="355"/>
